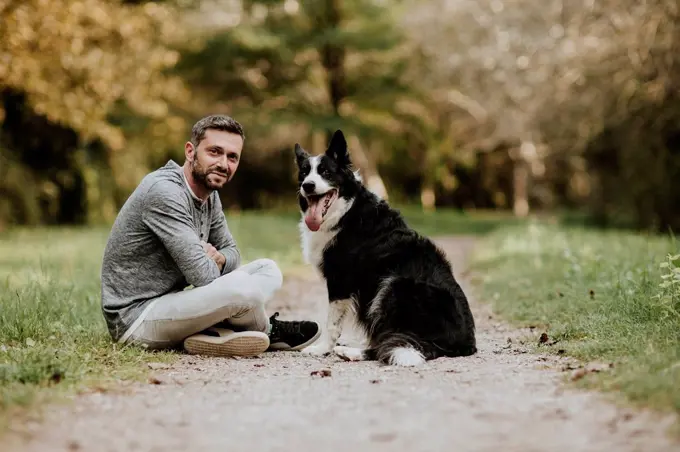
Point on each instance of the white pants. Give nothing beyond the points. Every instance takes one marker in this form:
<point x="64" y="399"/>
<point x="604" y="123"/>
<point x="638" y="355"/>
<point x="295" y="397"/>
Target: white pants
<point x="239" y="297"/>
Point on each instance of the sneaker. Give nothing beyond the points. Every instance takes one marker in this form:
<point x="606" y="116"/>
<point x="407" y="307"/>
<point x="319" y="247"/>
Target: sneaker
<point x="295" y="335"/>
<point x="216" y="341"/>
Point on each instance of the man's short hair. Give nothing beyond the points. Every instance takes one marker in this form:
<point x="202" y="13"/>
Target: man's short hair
<point x="218" y="122"/>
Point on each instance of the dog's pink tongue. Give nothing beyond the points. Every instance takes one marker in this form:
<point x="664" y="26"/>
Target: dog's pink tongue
<point x="313" y="216"/>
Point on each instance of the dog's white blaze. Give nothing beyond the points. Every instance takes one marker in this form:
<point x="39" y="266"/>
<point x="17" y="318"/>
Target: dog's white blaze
<point x="406" y="357"/>
<point x="321" y="186"/>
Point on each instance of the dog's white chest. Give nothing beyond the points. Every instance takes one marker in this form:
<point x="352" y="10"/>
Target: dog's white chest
<point x="314" y="244"/>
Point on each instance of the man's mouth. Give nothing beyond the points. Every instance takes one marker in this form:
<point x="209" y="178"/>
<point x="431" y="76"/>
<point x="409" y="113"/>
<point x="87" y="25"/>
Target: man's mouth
<point x="224" y="175"/>
<point x="318" y="208"/>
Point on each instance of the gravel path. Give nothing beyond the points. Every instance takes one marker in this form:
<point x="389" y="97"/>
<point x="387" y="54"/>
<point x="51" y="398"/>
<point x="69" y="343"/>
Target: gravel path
<point x="500" y="399"/>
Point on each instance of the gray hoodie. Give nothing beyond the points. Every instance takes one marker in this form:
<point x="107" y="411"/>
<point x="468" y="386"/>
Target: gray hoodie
<point x="155" y="246"/>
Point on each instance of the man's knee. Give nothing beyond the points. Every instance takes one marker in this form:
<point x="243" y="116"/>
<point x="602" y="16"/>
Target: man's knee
<point x="269" y="268"/>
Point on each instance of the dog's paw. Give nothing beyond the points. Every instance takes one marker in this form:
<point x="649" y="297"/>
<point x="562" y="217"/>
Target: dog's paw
<point x="316" y="350"/>
<point x="349" y="353"/>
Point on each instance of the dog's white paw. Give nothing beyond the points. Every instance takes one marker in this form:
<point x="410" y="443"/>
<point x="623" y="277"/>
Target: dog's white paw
<point x="349" y="353"/>
<point x="316" y="350"/>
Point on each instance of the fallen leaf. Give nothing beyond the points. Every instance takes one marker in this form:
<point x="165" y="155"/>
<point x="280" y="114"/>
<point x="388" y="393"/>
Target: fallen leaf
<point x="578" y="374"/>
<point x="155" y="381"/>
<point x="321" y="373"/>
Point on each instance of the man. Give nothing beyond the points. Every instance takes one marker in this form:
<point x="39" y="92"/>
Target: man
<point x="171" y="234"/>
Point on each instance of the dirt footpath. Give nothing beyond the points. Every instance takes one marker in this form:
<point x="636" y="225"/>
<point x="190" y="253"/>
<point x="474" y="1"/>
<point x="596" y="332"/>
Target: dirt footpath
<point x="500" y="399"/>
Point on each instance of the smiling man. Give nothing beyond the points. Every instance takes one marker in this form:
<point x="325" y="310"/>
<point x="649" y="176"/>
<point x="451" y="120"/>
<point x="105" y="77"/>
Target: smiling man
<point x="172" y="234"/>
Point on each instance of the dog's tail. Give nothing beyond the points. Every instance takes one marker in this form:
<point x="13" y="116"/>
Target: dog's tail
<point x="397" y="350"/>
<point x="420" y="321"/>
<point x="400" y="349"/>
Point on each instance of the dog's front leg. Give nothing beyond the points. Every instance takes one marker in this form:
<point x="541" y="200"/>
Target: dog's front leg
<point x="337" y="310"/>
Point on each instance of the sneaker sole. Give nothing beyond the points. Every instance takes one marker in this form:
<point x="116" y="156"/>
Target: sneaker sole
<point x="278" y="346"/>
<point x="246" y="343"/>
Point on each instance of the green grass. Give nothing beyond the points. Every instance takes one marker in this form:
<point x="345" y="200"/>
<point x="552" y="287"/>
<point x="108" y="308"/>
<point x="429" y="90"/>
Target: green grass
<point x="595" y="293"/>
<point x="53" y="339"/>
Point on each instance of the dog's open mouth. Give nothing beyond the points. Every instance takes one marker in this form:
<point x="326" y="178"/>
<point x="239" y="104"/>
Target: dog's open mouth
<point x="318" y="207"/>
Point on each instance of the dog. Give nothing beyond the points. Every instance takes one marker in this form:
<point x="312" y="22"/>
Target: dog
<point x="396" y="284"/>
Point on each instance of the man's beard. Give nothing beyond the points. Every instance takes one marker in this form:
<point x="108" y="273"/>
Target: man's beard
<point x="200" y="174"/>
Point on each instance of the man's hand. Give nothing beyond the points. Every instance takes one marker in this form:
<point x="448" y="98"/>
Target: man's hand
<point x="215" y="255"/>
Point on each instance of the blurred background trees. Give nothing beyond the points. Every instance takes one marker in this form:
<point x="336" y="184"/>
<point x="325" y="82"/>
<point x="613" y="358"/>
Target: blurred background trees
<point x="519" y="105"/>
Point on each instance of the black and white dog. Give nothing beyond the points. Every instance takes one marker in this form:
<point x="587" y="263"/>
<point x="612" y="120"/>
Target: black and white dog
<point x="397" y="283"/>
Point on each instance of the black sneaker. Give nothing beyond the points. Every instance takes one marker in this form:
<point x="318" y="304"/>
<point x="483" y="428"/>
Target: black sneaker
<point x="294" y="335"/>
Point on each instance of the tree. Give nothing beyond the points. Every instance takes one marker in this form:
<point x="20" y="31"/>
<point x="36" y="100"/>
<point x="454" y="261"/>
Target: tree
<point x="308" y="67"/>
<point x="67" y="66"/>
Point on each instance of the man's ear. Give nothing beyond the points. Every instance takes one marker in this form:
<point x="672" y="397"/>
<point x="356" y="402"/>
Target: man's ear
<point x="337" y="149"/>
<point x="300" y="154"/>
<point x="189" y="150"/>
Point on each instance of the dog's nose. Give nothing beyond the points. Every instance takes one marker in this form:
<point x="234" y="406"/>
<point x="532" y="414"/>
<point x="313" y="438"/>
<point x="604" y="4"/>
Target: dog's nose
<point x="308" y="187"/>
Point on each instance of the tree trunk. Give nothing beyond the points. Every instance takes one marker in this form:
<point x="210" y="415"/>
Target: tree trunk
<point x="520" y="183"/>
<point x="427" y="197"/>
<point x="333" y="60"/>
<point x="367" y="167"/>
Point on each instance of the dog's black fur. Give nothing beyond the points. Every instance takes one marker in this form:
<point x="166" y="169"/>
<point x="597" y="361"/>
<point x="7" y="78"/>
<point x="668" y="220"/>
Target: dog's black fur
<point x="423" y="307"/>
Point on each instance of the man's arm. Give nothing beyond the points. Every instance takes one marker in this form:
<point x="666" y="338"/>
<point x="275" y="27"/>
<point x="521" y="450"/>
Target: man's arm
<point x="165" y="215"/>
<point x="221" y="238"/>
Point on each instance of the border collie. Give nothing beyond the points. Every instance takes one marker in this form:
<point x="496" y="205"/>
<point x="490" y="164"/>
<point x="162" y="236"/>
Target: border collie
<point x="397" y="285"/>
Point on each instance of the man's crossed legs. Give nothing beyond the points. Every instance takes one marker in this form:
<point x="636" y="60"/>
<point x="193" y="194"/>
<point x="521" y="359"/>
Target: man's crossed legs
<point x="225" y="317"/>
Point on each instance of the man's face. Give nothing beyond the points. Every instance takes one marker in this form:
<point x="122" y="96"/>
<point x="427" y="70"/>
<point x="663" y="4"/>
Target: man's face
<point x="215" y="160"/>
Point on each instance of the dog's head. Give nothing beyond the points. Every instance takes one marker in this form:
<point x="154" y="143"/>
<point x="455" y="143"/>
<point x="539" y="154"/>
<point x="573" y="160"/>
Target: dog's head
<point x="326" y="182"/>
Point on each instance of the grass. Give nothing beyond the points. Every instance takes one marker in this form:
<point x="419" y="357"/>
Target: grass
<point x="53" y="340"/>
<point x="597" y="294"/>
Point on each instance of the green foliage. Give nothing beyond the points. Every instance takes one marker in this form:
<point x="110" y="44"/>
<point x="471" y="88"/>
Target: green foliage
<point x="277" y="60"/>
<point x="69" y="69"/>
<point x="668" y="295"/>
<point x="595" y="294"/>
<point x="94" y="94"/>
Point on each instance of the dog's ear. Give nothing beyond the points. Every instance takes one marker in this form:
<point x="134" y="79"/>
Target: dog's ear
<point x="300" y="154"/>
<point x="337" y="149"/>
